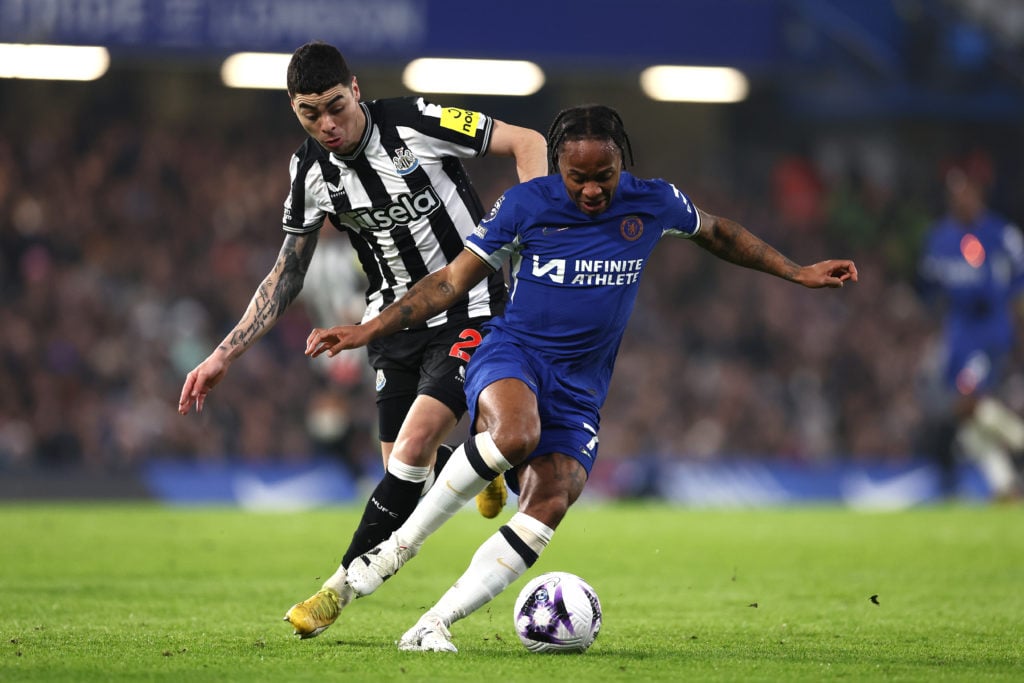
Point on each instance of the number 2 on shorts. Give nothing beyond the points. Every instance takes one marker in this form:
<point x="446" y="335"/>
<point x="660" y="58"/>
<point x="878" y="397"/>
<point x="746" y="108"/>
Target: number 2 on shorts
<point x="469" y="339"/>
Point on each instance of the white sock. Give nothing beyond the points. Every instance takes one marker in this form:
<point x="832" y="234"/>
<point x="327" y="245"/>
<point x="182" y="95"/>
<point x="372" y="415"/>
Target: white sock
<point x="990" y="456"/>
<point x="502" y="559"/>
<point x="337" y="580"/>
<point x="995" y="417"/>
<point x="458" y="483"/>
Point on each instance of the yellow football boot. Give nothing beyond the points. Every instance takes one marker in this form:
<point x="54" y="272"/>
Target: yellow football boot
<point x="312" y="616"/>
<point x="492" y="499"/>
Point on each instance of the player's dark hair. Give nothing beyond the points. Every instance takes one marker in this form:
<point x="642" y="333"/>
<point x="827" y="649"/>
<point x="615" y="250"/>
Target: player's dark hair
<point x="587" y="122"/>
<point x="317" y="67"/>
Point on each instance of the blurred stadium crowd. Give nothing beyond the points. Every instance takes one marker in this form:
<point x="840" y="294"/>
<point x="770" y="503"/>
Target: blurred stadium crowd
<point x="129" y="246"/>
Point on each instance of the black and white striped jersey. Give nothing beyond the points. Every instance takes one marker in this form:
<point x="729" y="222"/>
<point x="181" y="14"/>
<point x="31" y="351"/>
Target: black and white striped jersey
<point x="403" y="197"/>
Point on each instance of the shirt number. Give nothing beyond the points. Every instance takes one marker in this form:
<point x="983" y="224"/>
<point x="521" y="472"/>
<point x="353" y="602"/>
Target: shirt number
<point x="469" y="339"/>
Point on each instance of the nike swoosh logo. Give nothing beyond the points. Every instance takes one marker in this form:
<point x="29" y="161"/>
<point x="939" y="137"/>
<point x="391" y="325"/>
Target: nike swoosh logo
<point x="448" y="483"/>
<point x="297" y="492"/>
<point x="897" y="492"/>
<point x="506" y="565"/>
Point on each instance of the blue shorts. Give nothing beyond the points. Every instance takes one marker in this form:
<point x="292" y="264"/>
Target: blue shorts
<point x="569" y="419"/>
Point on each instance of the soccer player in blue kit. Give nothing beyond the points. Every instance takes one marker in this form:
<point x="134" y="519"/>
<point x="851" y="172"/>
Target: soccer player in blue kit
<point x="972" y="271"/>
<point x="577" y="242"/>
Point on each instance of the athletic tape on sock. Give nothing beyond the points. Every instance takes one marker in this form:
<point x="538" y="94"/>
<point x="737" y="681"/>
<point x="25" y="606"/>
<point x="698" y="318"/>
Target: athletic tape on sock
<point x="489" y="452"/>
<point x="532" y="531"/>
<point x="522" y="548"/>
<point x="407" y="472"/>
<point x="477" y="462"/>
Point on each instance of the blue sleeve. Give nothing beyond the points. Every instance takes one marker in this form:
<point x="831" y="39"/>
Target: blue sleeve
<point x="497" y="236"/>
<point x="680" y="217"/>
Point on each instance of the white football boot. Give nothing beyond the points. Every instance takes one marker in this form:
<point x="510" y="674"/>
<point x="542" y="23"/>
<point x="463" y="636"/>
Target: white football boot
<point x="428" y="635"/>
<point x="367" y="572"/>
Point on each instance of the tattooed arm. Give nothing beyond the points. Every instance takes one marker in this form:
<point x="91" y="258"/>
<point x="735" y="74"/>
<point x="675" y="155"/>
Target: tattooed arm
<point x="278" y="289"/>
<point x="732" y="242"/>
<point x="431" y="295"/>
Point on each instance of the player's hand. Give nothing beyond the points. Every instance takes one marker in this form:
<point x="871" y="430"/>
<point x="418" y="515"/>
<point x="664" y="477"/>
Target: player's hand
<point x="333" y="340"/>
<point x="199" y="382"/>
<point x="832" y="273"/>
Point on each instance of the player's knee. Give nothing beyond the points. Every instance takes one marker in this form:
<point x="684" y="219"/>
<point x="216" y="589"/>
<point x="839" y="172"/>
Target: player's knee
<point x="416" y="449"/>
<point x="515" y="445"/>
<point x="516" y="433"/>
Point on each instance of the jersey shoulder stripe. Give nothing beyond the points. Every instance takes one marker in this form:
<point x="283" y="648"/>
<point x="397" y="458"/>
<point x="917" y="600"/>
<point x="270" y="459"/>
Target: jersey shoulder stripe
<point x="450" y="125"/>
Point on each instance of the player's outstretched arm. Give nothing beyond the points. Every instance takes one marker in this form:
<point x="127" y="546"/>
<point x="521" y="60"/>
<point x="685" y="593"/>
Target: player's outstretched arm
<point x="732" y="242"/>
<point x="428" y="297"/>
<point x="525" y="145"/>
<point x="272" y="297"/>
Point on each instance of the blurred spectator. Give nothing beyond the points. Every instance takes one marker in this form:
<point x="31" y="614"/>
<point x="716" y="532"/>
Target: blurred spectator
<point x="114" y="228"/>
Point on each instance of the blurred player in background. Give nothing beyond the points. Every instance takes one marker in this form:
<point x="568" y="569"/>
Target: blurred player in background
<point x="388" y="174"/>
<point x="577" y="243"/>
<point x="335" y="423"/>
<point x="972" y="273"/>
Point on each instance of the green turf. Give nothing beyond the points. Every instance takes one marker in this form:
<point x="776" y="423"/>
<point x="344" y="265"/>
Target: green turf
<point x="146" y="593"/>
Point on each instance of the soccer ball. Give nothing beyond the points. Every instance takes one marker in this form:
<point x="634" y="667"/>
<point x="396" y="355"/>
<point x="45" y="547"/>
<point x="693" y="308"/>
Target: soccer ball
<point x="557" y="612"/>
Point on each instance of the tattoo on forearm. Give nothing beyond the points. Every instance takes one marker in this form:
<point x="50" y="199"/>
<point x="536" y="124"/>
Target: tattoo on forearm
<point x="427" y="297"/>
<point x="277" y="291"/>
<point x="406" y="315"/>
<point x="738" y="245"/>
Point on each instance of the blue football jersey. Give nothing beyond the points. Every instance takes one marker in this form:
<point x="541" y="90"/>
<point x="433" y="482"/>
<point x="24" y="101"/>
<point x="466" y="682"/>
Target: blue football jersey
<point x="977" y="270"/>
<point x="574" y="277"/>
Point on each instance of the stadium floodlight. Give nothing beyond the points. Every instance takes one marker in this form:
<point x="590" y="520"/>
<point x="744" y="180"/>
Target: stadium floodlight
<point x="263" y="70"/>
<point x="473" y="76"/>
<point x="53" y="62"/>
<point x="716" y="84"/>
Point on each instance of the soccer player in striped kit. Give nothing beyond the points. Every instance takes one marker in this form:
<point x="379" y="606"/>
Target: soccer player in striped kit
<point x="388" y="174"/>
<point x="577" y="242"/>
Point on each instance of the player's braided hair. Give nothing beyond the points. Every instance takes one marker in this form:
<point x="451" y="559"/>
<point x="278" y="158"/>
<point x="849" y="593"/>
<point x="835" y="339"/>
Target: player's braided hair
<point x="587" y="122"/>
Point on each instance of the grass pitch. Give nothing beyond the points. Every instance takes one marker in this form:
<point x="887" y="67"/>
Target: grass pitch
<point x="148" y="593"/>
